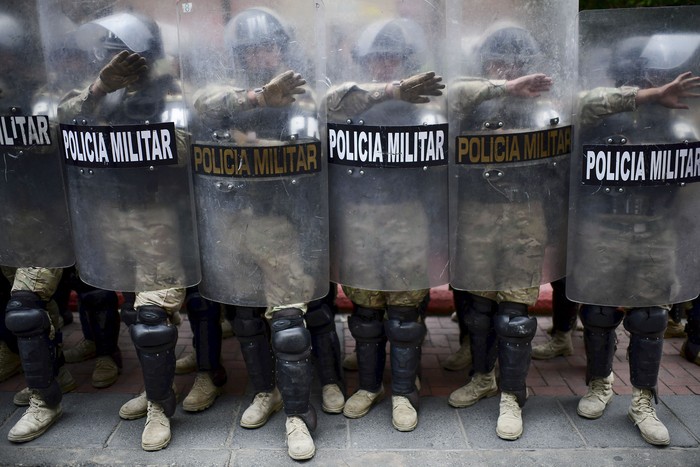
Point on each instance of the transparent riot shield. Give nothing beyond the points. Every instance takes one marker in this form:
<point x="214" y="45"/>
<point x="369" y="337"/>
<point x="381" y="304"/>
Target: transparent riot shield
<point x="634" y="194"/>
<point x="387" y="152"/>
<point x="260" y="181"/>
<point x="127" y="166"/>
<point x="510" y="146"/>
<point x="34" y="222"/>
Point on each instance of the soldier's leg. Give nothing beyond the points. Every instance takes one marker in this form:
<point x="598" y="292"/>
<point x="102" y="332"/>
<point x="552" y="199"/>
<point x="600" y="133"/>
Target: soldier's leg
<point x="291" y="342"/>
<point x="405" y="329"/>
<point x="646" y="327"/>
<point x="564" y="313"/>
<point x="515" y="330"/>
<point x="253" y="333"/>
<point x="136" y="407"/>
<point x="479" y="320"/>
<point x="37" y="341"/>
<point x="85" y="349"/>
<point x="599" y="323"/>
<point x="325" y="347"/>
<point x="205" y="319"/>
<point x="155" y="338"/>
<point x="690" y="350"/>
<point x="462" y="358"/>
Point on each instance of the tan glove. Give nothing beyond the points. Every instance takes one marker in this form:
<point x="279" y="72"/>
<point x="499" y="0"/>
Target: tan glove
<point x="281" y="89"/>
<point x="417" y="87"/>
<point x="124" y="69"/>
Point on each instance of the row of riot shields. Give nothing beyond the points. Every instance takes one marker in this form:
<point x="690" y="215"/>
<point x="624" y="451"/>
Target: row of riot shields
<point x="208" y="166"/>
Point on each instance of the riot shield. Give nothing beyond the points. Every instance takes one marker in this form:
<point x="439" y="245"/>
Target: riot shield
<point x="387" y="154"/>
<point x="34" y="222"/>
<point x="259" y="180"/>
<point x="633" y="232"/>
<point x="128" y="174"/>
<point x="509" y="164"/>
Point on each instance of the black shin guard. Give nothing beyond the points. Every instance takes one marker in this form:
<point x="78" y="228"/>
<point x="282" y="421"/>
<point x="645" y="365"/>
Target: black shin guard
<point x="325" y="345"/>
<point x="291" y="342"/>
<point x="27" y="318"/>
<point x="205" y="320"/>
<point x="515" y="330"/>
<point x="367" y="328"/>
<point x="405" y="332"/>
<point x="564" y="311"/>
<point x="599" y="323"/>
<point x="646" y="327"/>
<point x="155" y="339"/>
<point x="254" y="336"/>
<point x="480" y="321"/>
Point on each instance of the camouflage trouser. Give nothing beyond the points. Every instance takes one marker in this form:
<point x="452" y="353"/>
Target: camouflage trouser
<point x="526" y="296"/>
<point x="170" y="300"/>
<point x="380" y="300"/>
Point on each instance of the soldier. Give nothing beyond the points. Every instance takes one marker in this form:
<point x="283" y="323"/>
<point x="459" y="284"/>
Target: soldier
<point x="379" y="225"/>
<point x="272" y="231"/>
<point x="635" y="219"/>
<point x="143" y="239"/>
<point x="564" y="313"/>
<point x="509" y="208"/>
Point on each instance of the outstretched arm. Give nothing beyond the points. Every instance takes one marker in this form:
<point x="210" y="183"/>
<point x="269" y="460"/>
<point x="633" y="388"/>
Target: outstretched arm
<point x="670" y="94"/>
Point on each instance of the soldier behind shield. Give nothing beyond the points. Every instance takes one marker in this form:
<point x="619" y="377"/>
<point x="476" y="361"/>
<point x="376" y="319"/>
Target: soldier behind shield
<point x="639" y="260"/>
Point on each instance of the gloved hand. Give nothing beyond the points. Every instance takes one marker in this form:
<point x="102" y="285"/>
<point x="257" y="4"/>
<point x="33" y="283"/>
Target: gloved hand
<point x="281" y="89"/>
<point x="417" y="87"/>
<point x="124" y="69"/>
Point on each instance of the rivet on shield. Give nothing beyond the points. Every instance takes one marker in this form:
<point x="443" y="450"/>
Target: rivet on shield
<point x="362" y="172"/>
<point x="623" y="140"/>
<point x="360" y="122"/>
<point x="20" y="153"/>
<point x="500" y="124"/>
<point x="348" y="121"/>
<point x="14" y="110"/>
<point x="147" y="122"/>
<point x="620" y="190"/>
<point x="554" y="121"/>
<point x="554" y="164"/>
<point x="425" y="167"/>
<point x="82" y="171"/>
<point x="294" y="181"/>
<point x="487" y="125"/>
<point x="91" y="172"/>
<point x="607" y="190"/>
<point x="682" y="183"/>
<point x="75" y="121"/>
<point x="83" y="122"/>
<point x="151" y="168"/>
<point x="610" y="141"/>
<point x="349" y="171"/>
<point x="293" y="137"/>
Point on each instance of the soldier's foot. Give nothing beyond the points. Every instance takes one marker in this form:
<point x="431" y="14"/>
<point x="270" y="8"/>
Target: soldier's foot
<point x="203" y="393"/>
<point x="65" y="381"/>
<point x="106" y="372"/>
<point x="263" y="406"/>
<point x="226" y="329"/>
<point x="404" y="416"/>
<point x="559" y="344"/>
<point x="674" y="329"/>
<point x="156" y="433"/>
<point x="135" y="408"/>
<point x="643" y="414"/>
<point x="481" y="385"/>
<point x="691" y="351"/>
<point x="186" y="364"/>
<point x="333" y="399"/>
<point x="300" y="444"/>
<point x="10" y="364"/>
<point x="350" y="361"/>
<point x="83" y="350"/>
<point x="598" y="396"/>
<point x="35" y="421"/>
<point x="359" y="403"/>
<point x="461" y="359"/>
<point x="510" y="421"/>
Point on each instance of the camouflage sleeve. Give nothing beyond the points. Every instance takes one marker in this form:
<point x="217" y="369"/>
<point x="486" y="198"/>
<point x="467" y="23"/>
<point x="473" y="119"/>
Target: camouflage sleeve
<point x="600" y="102"/>
<point x="216" y="102"/>
<point x="352" y="99"/>
<point x="466" y="93"/>
<point x="77" y="102"/>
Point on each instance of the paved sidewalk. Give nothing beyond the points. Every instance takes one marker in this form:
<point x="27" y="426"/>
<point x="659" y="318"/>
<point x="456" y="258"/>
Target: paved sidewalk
<point x="90" y="431"/>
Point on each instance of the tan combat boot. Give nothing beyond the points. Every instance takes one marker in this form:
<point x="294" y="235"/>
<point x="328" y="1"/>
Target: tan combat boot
<point x="599" y="395"/>
<point x="105" y="373"/>
<point x="65" y="381"/>
<point x="333" y="399"/>
<point x="156" y="433"/>
<point x="461" y="359"/>
<point x="83" y="350"/>
<point x="263" y="406"/>
<point x="350" y="361"/>
<point x="481" y="385"/>
<point x="674" y="329"/>
<point x="35" y="421"/>
<point x="559" y="344"/>
<point x="186" y="364"/>
<point x="510" y="420"/>
<point x="643" y="414"/>
<point x="135" y="408"/>
<point x="359" y="403"/>
<point x="203" y="393"/>
<point x="404" y="416"/>
<point x="300" y="444"/>
<point x="10" y="363"/>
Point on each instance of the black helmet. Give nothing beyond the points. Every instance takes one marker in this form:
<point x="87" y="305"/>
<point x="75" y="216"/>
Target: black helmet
<point x="401" y="38"/>
<point x="256" y="27"/>
<point x="122" y="31"/>
<point x="511" y="45"/>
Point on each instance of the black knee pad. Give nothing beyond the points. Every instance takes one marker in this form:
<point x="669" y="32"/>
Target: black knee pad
<point x="248" y="321"/>
<point x="402" y="328"/>
<point x="647" y="321"/>
<point x="367" y="325"/>
<point x="646" y="327"/>
<point x="319" y="318"/>
<point x="600" y="318"/>
<point x="480" y="313"/>
<point x="291" y="341"/>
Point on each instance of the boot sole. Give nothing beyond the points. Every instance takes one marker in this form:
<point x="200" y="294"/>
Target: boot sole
<point x="302" y="457"/>
<point x="509" y="437"/>
<point x="593" y="416"/>
<point x="665" y="442"/>
<point x="405" y="428"/>
<point x="157" y="447"/>
<point x="204" y="406"/>
<point x="274" y="410"/>
<point x="333" y="410"/>
<point x="461" y="405"/>
<point x="35" y="435"/>
<point x="132" y="416"/>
